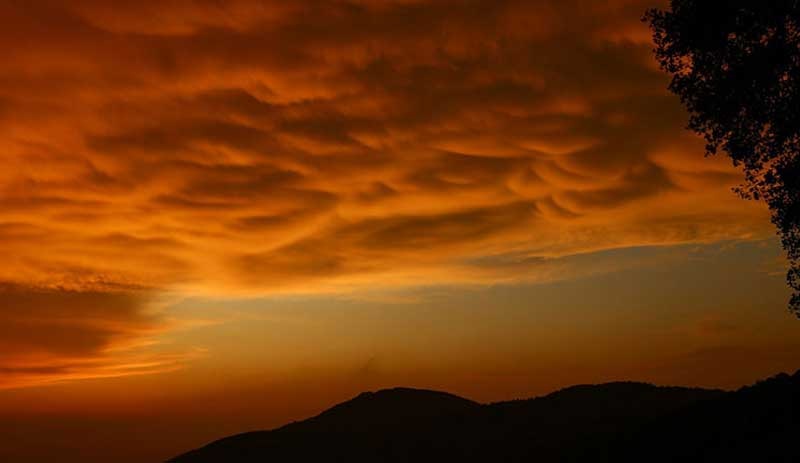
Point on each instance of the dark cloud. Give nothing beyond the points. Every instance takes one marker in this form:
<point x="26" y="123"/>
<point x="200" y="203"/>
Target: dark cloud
<point x="638" y="182"/>
<point x="53" y="334"/>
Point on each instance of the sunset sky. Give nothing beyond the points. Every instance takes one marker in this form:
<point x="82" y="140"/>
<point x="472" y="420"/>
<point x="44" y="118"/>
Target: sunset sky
<point x="219" y="216"/>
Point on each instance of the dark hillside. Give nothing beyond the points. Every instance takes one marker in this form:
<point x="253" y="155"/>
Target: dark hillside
<point x="615" y="422"/>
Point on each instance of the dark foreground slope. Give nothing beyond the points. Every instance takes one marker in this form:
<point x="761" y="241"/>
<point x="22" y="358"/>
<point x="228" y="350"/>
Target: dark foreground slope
<point x="760" y="423"/>
<point x="617" y="422"/>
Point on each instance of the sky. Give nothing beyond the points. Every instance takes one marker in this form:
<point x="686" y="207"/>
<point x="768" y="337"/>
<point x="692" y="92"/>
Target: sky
<point x="222" y="216"/>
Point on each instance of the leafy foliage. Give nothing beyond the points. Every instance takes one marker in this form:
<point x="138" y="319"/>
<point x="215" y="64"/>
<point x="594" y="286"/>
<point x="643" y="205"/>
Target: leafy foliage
<point x="736" y="67"/>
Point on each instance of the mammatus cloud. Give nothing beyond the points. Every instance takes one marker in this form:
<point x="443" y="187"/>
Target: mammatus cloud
<point x="300" y="146"/>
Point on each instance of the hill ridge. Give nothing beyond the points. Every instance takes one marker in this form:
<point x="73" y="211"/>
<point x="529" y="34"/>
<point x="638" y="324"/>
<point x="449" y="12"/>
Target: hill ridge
<point x="614" y="421"/>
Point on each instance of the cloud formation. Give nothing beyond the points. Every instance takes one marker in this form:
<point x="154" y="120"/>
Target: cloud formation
<point x="256" y="146"/>
<point x="53" y="335"/>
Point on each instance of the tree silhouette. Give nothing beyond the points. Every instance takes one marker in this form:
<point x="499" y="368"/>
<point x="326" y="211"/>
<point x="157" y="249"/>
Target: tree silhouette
<point x="736" y="67"/>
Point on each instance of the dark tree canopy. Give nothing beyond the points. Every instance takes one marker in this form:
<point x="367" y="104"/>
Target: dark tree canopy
<point x="736" y="66"/>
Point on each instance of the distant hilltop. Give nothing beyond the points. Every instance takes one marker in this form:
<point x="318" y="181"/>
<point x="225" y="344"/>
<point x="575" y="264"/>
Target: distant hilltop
<point x="614" y="422"/>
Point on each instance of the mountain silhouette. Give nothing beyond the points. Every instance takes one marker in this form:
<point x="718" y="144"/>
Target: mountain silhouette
<point x="619" y="422"/>
<point x="757" y="423"/>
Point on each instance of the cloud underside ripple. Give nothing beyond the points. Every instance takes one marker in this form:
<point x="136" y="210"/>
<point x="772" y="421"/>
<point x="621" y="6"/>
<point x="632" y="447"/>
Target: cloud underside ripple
<point x="259" y="147"/>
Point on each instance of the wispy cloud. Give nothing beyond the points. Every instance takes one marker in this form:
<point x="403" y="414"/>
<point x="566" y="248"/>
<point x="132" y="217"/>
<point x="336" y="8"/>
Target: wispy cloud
<point x="52" y="335"/>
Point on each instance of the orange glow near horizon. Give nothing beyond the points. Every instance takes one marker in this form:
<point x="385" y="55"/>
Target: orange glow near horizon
<point x="204" y="199"/>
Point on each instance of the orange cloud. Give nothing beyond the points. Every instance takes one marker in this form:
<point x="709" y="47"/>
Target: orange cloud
<point x="266" y="146"/>
<point x="49" y="335"/>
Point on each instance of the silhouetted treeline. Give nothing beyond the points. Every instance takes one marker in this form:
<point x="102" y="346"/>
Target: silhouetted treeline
<point x="735" y="64"/>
